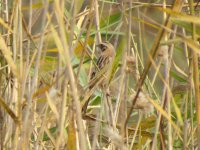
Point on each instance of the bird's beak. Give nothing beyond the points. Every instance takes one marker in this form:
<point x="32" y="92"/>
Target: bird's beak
<point x="99" y="47"/>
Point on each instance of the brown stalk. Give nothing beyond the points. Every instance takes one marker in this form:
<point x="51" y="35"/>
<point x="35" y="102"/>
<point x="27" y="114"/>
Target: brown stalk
<point x="177" y="6"/>
<point x="196" y="76"/>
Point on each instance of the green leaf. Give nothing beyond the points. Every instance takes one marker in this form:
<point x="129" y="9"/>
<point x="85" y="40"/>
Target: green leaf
<point x="177" y="77"/>
<point x="52" y="131"/>
<point x="117" y="58"/>
<point x="187" y="26"/>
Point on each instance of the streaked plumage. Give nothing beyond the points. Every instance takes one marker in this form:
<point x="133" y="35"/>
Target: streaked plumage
<point x="103" y="64"/>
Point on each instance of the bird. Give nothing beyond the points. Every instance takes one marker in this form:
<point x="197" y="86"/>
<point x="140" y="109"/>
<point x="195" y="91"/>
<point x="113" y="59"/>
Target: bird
<point x="102" y="68"/>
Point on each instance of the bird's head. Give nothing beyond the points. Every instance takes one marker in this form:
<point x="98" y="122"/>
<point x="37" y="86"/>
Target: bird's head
<point x="106" y="47"/>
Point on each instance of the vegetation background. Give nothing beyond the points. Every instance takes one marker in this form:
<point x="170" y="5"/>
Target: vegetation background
<point x="47" y="52"/>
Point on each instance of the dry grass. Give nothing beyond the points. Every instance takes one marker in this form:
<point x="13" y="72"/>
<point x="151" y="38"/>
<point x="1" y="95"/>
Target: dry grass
<point x="47" y="52"/>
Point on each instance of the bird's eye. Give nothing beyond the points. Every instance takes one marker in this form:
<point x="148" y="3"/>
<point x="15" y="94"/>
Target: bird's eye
<point x="103" y="47"/>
